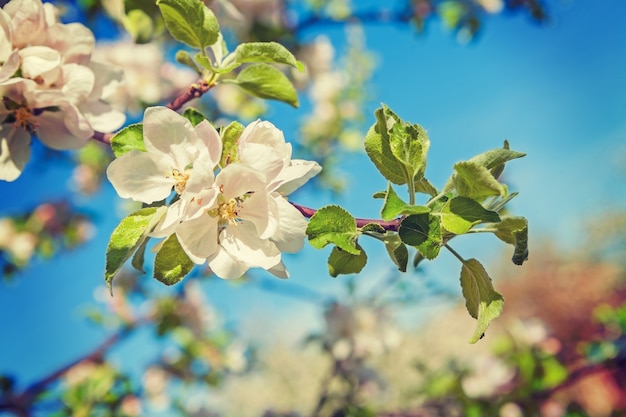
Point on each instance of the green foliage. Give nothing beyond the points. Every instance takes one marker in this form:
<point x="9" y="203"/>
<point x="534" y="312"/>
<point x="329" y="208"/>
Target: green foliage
<point x="394" y="206"/>
<point x="127" y="237"/>
<point x="127" y="139"/>
<point x="190" y="22"/>
<point x="342" y="262"/>
<point x="423" y="231"/>
<point x="269" y="52"/>
<point x="230" y="137"/>
<point x="171" y="263"/>
<point x="264" y="81"/>
<point x="195" y="116"/>
<point x="483" y="302"/>
<point x="333" y="224"/>
<point x="460" y="214"/>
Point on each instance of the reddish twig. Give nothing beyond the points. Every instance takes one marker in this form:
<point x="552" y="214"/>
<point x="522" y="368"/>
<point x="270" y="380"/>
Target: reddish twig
<point x="196" y="90"/>
<point x="389" y="225"/>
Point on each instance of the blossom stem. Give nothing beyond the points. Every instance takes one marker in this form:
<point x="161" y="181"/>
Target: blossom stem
<point x="195" y="90"/>
<point x="102" y="137"/>
<point x="389" y="225"/>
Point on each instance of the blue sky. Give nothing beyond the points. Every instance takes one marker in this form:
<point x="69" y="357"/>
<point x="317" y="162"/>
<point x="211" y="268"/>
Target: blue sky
<point x="556" y="92"/>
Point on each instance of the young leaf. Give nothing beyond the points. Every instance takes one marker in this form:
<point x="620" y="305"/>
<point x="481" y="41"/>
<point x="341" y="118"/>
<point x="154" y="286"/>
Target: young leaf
<point x="139" y="24"/>
<point x="333" y="224"/>
<point x="206" y="63"/>
<point x="127" y="139"/>
<point x="422" y="231"/>
<point x="230" y="137"/>
<point x="496" y="157"/>
<point x="475" y="181"/>
<point x="394" y="206"/>
<point x="171" y="263"/>
<point x="342" y="262"/>
<point x="183" y="57"/>
<point x="483" y="302"/>
<point x="514" y="231"/>
<point x="139" y="256"/>
<point x="264" y="81"/>
<point x="424" y="186"/>
<point x="398" y="252"/>
<point x="378" y="148"/>
<point x="272" y="52"/>
<point x="194" y="115"/>
<point x="460" y="214"/>
<point x="190" y="22"/>
<point x="127" y="237"/>
<point x="409" y="144"/>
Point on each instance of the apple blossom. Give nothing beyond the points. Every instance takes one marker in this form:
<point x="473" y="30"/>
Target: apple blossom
<point x="50" y="87"/>
<point x="177" y="156"/>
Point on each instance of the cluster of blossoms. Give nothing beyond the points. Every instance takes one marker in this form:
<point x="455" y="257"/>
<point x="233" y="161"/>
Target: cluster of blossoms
<point x="50" y="87"/>
<point x="236" y="219"/>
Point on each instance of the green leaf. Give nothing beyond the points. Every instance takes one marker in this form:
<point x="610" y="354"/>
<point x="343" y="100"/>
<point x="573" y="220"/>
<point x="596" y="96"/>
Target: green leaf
<point x="206" y="63"/>
<point x="333" y="224"/>
<point x="483" y="302"/>
<point x="514" y="231"/>
<point x="230" y="142"/>
<point x="424" y="186"/>
<point x="378" y="148"/>
<point x="460" y="214"/>
<point x="475" y="181"/>
<point x="264" y="81"/>
<point x="194" y="116"/>
<point x="127" y="237"/>
<point x="127" y="139"/>
<point x="374" y="228"/>
<point x="397" y="251"/>
<point x="422" y="231"/>
<point x="139" y="256"/>
<point x="139" y="24"/>
<point x="495" y="158"/>
<point x="409" y="143"/>
<point x="342" y="262"/>
<point x="394" y="206"/>
<point x="190" y="22"/>
<point x="171" y="263"/>
<point x="185" y="59"/>
<point x="272" y="52"/>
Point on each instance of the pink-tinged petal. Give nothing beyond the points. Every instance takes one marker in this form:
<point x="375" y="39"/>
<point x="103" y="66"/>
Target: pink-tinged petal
<point x="207" y="134"/>
<point x="28" y="20"/>
<point x="14" y="151"/>
<point x="10" y="66"/>
<point x="170" y="221"/>
<point x="101" y="116"/>
<point x="261" y="210"/>
<point x="75" y="42"/>
<point x="225" y="266"/>
<point x="198" y="238"/>
<point x="63" y="129"/>
<point x="236" y="180"/>
<point x="79" y="81"/>
<point x="293" y="177"/>
<point x="108" y="80"/>
<point x="263" y="159"/>
<point x="243" y="244"/>
<point x="279" y="271"/>
<point x="135" y="175"/>
<point x="291" y="227"/>
<point x="167" y="132"/>
<point x="6" y="35"/>
<point x="42" y="64"/>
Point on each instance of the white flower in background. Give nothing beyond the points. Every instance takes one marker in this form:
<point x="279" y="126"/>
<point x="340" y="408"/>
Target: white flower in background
<point x="147" y="79"/>
<point x="177" y="156"/>
<point x="488" y="374"/>
<point x="57" y="93"/>
<point x="491" y="6"/>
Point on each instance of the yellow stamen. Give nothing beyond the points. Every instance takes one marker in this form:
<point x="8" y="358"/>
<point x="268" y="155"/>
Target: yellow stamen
<point x="180" y="179"/>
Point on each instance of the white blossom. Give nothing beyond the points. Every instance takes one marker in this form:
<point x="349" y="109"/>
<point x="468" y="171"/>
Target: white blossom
<point x="50" y="87"/>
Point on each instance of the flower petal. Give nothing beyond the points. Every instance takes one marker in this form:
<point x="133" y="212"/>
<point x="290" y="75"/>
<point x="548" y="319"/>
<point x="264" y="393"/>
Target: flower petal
<point x="136" y="175"/>
<point x="225" y="266"/>
<point x="207" y="133"/>
<point x="289" y="236"/>
<point x="167" y="132"/>
<point x="243" y="244"/>
<point x="198" y="238"/>
<point x="293" y="177"/>
<point x="14" y="151"/>
<point x="260" y="209"/>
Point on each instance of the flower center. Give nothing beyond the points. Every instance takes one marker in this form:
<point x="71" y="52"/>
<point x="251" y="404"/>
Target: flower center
<point x="23" y="118"/>
<point x="180" y="179"/>
<point x="228" y="211"/>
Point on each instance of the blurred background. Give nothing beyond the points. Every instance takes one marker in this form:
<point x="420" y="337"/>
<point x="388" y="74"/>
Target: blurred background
<point x="548" y="76"/>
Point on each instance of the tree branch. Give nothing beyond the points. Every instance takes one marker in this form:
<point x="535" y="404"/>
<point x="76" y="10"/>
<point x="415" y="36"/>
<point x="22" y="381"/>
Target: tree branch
<point x="389" y="225"/>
